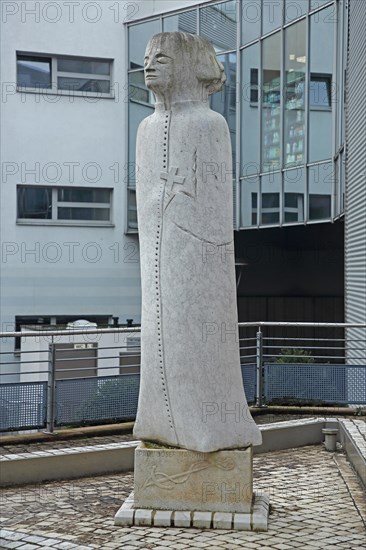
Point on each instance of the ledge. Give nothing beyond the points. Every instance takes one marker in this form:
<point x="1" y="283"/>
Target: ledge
<point x="76" y="462"/>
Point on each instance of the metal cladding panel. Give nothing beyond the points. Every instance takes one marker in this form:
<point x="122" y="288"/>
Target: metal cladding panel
<point x="355" y="228"/>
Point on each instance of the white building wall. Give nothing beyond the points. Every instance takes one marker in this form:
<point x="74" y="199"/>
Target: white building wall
<point x="99" y="273"/>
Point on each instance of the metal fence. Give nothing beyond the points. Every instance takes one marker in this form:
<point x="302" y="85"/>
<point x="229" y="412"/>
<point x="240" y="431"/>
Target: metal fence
<point x="80" y="377"/>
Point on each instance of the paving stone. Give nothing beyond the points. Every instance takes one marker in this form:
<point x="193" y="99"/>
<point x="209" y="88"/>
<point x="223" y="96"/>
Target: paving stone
<point x="10" y="543"/>
<point x="11" y="535"/>
<point x="312" y="508"/>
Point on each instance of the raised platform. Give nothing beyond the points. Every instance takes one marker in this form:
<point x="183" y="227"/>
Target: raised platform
<point x="255" y="520"/>
<point x="179" y="479"/>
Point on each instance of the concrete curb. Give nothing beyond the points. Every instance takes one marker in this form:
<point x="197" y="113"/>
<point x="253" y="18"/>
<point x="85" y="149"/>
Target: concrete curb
<point x="76" y="462"/>
<point x="353" y="439"/>
<point x="68" y="463"/>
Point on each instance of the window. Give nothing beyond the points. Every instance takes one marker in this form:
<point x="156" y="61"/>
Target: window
<point x="270" y="208"/>
<point x="254" y="208"/>
<point x="138" y="90"/>
<point x="34" y="72"/>
<point x="319" y="207"/>
<point x="294" y="207"/>
<point x="320" y="92"/>
<point x="71" y="75"/>
<point x="132" y="211"/>
<point x="64" y="204"/>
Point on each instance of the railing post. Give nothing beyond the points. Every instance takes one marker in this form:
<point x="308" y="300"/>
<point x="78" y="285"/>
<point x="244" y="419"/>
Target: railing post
<point x="259" y="392"/>
<point x="51" y="388"/>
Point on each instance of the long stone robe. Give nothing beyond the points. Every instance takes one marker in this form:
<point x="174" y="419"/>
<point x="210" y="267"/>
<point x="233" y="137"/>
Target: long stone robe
<point x="191" y="390"/>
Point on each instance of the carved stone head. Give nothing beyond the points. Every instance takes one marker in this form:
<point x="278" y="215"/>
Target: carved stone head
<point x="182" y="66"/>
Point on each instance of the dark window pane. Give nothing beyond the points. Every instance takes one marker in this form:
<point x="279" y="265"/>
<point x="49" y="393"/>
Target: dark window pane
<point x="91" y="214"/>
<point x="291" y="217"/>
<point x="83" y="66"/>
<point x="34" y="72"/>
<point x="83" y="195"/>
<point x="291" y="200"/>
<point x="83" y="85"/>
<point x="34" y="203"/>
<point x="270" y="217"/>
<point x="319" y="207"/>
<point x="254" y="200"/>
<point x="270" y="200"/>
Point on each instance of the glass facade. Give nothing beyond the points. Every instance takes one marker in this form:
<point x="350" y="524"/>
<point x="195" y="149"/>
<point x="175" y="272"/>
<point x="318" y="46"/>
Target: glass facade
<point x="283" y="101"/>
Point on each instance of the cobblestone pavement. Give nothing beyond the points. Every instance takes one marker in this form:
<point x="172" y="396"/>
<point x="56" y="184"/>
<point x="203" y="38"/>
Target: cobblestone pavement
<point x="61" y="444"/>
<point x="316" y="503"/>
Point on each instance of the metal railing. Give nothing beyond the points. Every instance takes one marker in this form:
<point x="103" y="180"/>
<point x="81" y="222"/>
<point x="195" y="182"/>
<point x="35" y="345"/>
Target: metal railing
<point x="77" y="377"/>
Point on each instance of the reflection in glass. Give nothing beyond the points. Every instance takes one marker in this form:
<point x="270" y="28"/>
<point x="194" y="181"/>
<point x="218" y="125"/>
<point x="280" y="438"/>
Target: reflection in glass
<point x="251" y="20"/>
<point x="218" y="25"/>
<point x="272" y="15"/>
<point x="34" y="202"/>
<point x="320" y="93"/>
<point x="183" y="22"/>
<point x="70" y="194"/>
<point x="83" y="85"/>
<point x="320" y="86"/>
<point x="138" y="37"/>
<point x="295" y="9"/>
<point x="271" y="106"/>
<point x="315" y="4"/>
<point x="137" y="112"/>
<point x="295" y="69"/>
<point x="137" y="88"/>
<point x="34" y="72"/>
<point x="132" y="209"/>
<point x="83" y="66"/>
<point x="250" y="126"/>
<point x="224" y="102"/>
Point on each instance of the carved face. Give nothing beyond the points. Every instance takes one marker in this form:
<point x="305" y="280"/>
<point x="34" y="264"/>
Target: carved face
<point x="159" y="67"/>
<point x="182" y="65"/>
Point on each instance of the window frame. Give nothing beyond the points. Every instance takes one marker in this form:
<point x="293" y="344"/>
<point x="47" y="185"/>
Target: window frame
<point x="54" y="220"/>
<point x="328" y="80"/>
<point x="55" y="74"/>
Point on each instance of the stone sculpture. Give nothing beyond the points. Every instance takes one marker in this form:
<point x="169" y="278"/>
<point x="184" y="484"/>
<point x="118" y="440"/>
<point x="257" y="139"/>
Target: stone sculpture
<point x="191" y="392"/>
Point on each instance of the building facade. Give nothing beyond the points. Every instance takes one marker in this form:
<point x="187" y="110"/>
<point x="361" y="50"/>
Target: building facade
<point x="73" y="95"/>
<point x="284" y="103"/>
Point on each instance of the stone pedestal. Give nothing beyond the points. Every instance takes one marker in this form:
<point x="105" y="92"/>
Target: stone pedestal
<point x="181" y="488"/>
